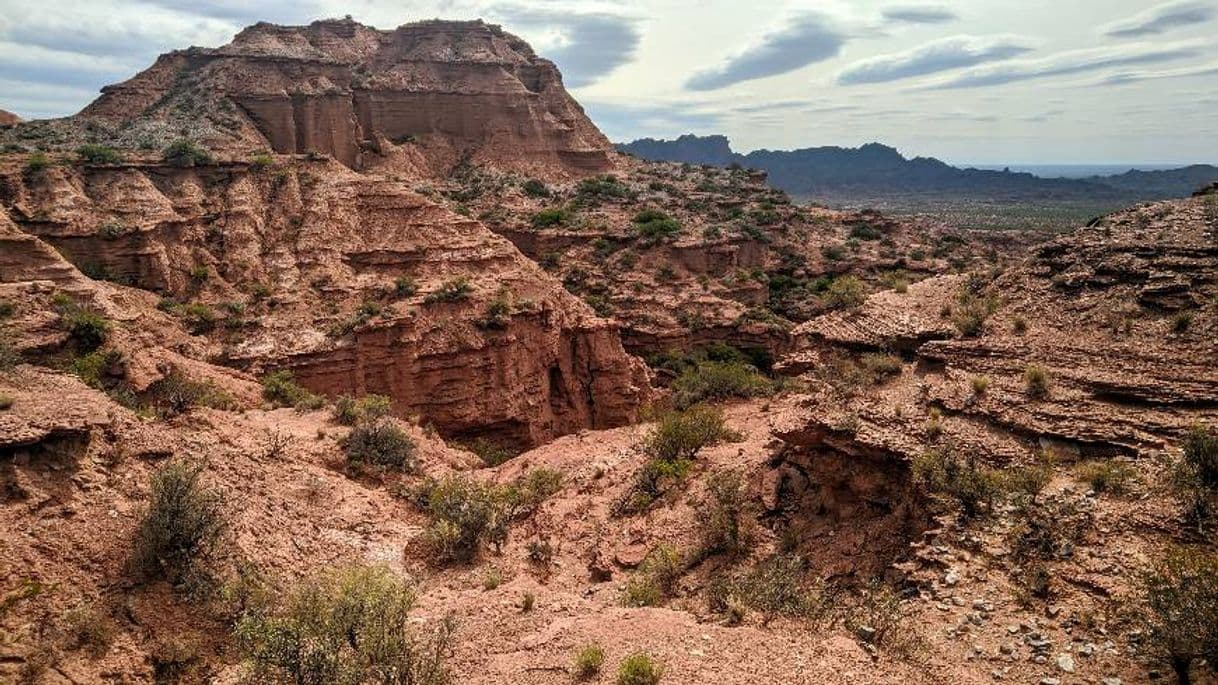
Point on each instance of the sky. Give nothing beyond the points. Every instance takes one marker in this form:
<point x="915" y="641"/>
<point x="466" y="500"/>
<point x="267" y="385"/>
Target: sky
<point x="967" y="81"/>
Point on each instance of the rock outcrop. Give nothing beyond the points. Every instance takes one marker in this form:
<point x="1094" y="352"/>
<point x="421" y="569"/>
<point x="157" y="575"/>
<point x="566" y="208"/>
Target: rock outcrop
<point x="432" y="94"/>
<point x="8" y="118"/>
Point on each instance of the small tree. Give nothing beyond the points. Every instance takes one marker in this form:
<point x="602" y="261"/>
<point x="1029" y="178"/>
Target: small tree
<point x="186" y="153"/>
<point x="1181" y="610"/>
<point x="182" y="527"/>
<point x="98" y="154"/>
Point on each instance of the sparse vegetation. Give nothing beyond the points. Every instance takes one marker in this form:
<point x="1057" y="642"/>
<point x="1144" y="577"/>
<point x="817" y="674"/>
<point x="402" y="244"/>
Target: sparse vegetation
<point x="37" y="163"/>
<point x="961" y="482"/>
<point x="453" y="290"/>
<point x="776" y="586"/>
<point x="1180" y="610"/>
<point x="176" y="393"/>
<point x="971" y="312"/>
<point x="1108" y="475"/>
<point x="1036" y="381"/>
<point x="182" y="528"/>
<point x="844" y="292"/>
<point x="281" y="389"/>
<point x="980" y="385"/>
<point x="719" y="380"/>
<point x="553" y="216"/>
<point x="655" y="580"/>
<point x="404" y="286"/>
<point x="350" y="626"/>
<point x="98" y="154"/>
<point x="588" y="662"/>
<point x="1196" y="476"/>
<point x="655" y="226"/>
<point x="671" y="446"/>
<point x="186" y="153"/>
<point x="535" y="188"/>
<point x="378" y="443"/>
<point x="725" y="518"/>
<point x="639" y="669"/>
<point x="87" y="329"/>
<point x="350" y="411"/>
<point x="490" y="452"/>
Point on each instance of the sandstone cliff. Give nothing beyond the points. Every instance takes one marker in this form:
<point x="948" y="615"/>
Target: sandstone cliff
<point x="426" y="96"/>
<point x="8" y="118"/>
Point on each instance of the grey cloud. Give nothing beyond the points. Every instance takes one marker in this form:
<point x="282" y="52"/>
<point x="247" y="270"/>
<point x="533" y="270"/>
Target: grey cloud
<point x="244" y="12"/>
<point x="807" y="39"/>
<point x="1162" y="18"/>
<point x="918" y="14"/>
<point x="628" y="121"/>
<point x="1067" y="63"/>
<point x="1136" y="76"/>
<point x="940" y="55"/>
<point x="596" y="44"/>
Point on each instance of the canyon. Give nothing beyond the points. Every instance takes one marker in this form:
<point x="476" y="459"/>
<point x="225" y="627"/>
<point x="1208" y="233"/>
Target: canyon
<point x="227" y="259"/>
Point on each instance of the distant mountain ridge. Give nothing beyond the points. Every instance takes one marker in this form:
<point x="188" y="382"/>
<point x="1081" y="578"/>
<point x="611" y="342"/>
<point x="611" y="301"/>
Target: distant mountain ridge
<point x="876" y="170"/>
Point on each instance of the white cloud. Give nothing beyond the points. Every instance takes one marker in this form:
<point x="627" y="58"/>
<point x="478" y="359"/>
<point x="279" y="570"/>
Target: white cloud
<point x="1072" y="62"/>
<point x="944" y="54"/>
<point x="1162" y="18"/>
<point x="803" y="40"/>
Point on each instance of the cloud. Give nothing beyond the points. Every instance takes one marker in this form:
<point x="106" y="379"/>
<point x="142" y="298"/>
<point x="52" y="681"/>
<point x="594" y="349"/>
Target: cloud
<point x="941" y="55"/>
<point x="918" y="14"/>
<point x="807" y="39"/>
<point x="1162" y="18"/>
<point x="590" y="46"/>
<point x="1122" y="78"/>
<point x="621" y="120"/>
<point x="1071" y="62"/>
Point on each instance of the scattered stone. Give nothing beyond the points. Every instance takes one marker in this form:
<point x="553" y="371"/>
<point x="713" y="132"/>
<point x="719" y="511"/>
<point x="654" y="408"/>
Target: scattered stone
<point x="1066" y="663"/>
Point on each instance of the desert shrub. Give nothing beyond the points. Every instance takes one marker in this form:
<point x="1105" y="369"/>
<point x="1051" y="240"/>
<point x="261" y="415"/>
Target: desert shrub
<point x="971" y="312"/>
<point x="350" y="411"/>
<point x="499" y="312"/>
<point x="199" y="318"/>
<point x="880" y="366"/>
<point x="671" y="446"/>
<point x="654" y="226"/>
<point x="961" y="482"/>
<point x="112" y="230"/>
<point x="262" y="161"/>
<point x="490" y="452"/>
<point x="639" y="669"/>
<point x="182" y="528"/>
<point x="656" y="579"/>
<point x="1048" y="530"/>
<point x="551" y="216"/>
<point x="466" y="514"/>
<point x="1181" y="322"/>
<point x="492" y="579"/>
<point x="176" y="393"/>
<point x="980" y="384"/>
<point x="98" y="154"/>
<point x="7" y="309"/>
<point x="535" y="188"/>
<point x="351" y="626"/>
<point x="87" y="329"/>
<point x="281" y="389"/>
<point x="724" y="517"/>
<point x="380" y="444"/>
<point x="1196" y="476"/>
<point x="1108" y="476"/>
<point x="601" y="188"/>
<point x="404" y="286"/>
<point x="37" y="163"/>
<point x="6" y="402"/>
<point x="97" y="368"/>
<point x="88" y="628"/>
<point x="588" y="661"/>
<point x="186" y="153"/>
<point x="865" y="231"/>
<point x="452" y="290"/>
<point x="875" y="616"/>
<point x="1019" y="325"/>
<point x="844" y="292"/>
<point x="777" y="586"/>
<point x="1180" y="610"/>
<point x="528" y="602"/>
<point x="1036" y="381"/>
<point x="715" y="380"/>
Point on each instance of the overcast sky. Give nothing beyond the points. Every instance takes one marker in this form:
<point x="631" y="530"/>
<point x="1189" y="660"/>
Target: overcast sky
<point x="981" y="81"/>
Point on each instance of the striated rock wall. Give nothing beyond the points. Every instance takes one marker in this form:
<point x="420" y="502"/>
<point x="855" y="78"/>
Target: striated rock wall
<point x="326" y="243"/>
<point x="461" y="92"/>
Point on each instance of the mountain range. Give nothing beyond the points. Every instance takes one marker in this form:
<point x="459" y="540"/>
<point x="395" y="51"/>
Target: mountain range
<point x="839" y="174"/>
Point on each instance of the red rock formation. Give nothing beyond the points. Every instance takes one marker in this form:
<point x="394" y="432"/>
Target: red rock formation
<point x="8" y="118"/>
<point x="459" y="91"/>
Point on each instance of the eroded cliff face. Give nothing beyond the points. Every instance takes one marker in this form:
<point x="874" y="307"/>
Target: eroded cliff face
<point x="356" y="283"/>
<point x="432" y="95"/>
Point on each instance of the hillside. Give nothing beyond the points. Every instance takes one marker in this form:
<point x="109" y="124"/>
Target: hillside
<point x="466" y="396"/>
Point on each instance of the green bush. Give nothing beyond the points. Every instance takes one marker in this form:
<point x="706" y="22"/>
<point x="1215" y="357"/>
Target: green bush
<point x="535" y="188"/>
<point x="656" y="579"/>
<point x="498" y="312"/>
<point x="1108" y="476"/>
<point x="281" y="389"/>
<point x="404" y="286"/>
<point x="346" y="627"/>
<point x="1036" y="381"/>
<point x="182" y="528"/>
<point x="589" y="661"/>
<point x="199" y="318"/>
<point x="465" y="514"/>
<point x="639" y="669"/>
<point x="725" y="518"/>
<point x="601" y="188"/>
<point x="777" y="586"/>
<point x="971" y="312"/>
<point x="176" y="393"/>
<point x="350" y="411"/>
<point x="379" y="444"/>
<point x="1201" y="455"/>
<point x="87" y="329"/>
<point x="98" y="154"/>
<point x="1180" y="610"/>
<point x="1196" y="475"/>
<point x="713" y="380"/>
<point x="452" y="290"/>
<point x="186" y="153"/>
<point x="37" y="163"/>
<point x="671" y="446"/>
<point x="554" y="216"/>
<point x="970" y="486"/>
<point x="844" y="292"/>
<point x="655" y="226"/>
<point x="490" y="452"/>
